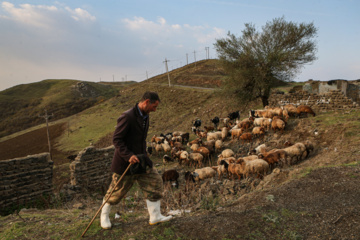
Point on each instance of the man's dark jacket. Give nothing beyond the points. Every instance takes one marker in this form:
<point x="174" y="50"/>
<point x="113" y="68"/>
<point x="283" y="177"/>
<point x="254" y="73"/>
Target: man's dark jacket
<point x="129" y="139"/>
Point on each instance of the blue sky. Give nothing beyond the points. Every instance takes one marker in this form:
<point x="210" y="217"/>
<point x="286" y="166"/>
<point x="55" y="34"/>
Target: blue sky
<point x="129" y="40"/>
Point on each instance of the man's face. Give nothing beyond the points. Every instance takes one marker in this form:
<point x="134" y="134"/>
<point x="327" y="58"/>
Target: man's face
<point x="150" y="107"/>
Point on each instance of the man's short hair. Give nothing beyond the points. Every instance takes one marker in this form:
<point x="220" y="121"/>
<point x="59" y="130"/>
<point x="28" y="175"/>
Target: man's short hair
<point x="152" y="96"/>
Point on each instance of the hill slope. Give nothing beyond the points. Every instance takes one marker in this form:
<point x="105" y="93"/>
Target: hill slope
<point x="317" y="198"/>
<point x="20" y="106"/>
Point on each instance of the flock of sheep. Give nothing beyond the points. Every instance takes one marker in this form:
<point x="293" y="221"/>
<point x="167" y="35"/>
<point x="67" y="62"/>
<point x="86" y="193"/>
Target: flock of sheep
<point x="208" y="152"/>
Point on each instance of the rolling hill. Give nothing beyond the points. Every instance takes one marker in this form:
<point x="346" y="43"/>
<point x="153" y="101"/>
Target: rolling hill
<point x="316" y="198"/>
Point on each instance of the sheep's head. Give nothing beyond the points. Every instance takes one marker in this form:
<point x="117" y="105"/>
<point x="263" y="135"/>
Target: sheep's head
<point x="240" y="161"/>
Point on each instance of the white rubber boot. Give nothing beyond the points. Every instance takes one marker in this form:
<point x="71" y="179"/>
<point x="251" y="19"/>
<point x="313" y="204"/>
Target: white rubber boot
<point x="104" y="217"/>
<point x="155" y="213"/>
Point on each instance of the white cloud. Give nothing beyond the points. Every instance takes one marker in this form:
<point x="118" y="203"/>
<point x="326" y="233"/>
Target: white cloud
<point x="35" y="15"/>
<point x="160" y="30"/>
<point x="80" y="14"/>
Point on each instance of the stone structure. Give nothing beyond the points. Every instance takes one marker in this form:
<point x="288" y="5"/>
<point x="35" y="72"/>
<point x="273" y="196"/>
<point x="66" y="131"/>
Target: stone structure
<point x="321" y="96"/>
<point x="24" y="181"/>
<point x="350" y="89"/>
<point x="91" y="169"/>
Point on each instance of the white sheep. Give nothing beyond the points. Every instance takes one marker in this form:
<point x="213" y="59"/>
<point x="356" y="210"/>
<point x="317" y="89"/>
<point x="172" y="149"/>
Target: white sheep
<point x="204" y="173"/>
<point x="213" y="136"/>
<point x="226" y="153"/>
<point x="196" y="158"/>
<point x="257" y="166"/>
<point x="218" y="145"/>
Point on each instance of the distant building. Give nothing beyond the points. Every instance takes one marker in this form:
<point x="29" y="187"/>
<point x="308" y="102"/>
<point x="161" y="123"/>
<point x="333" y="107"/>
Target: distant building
<point x="350" y="89"/>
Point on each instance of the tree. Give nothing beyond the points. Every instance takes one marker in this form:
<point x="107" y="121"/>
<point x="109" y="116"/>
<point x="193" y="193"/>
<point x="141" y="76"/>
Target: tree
<point x="258" y="61"/>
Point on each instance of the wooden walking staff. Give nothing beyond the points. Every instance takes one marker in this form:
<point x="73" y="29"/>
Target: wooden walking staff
<point x="97" y="213"/>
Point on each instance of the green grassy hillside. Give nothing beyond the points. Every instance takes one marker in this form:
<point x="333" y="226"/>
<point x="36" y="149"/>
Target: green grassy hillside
<point x="20" y="106"/>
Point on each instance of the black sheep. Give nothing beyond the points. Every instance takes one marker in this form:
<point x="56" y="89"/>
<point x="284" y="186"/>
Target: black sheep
<point x="171" y="175"/>
<point x="234" y="115"/>
<point x="215" y="121"/>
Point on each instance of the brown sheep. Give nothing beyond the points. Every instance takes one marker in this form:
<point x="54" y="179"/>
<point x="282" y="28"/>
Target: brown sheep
<point x="236" y="133"/>
<point x="246" y="124"/>
<point x="171" y="175"/>
<point x="209" y="128"/>
<point x="258" y="132"/>
<point x="278" y="124"/>
<point x="246" y="137"/>
<point x="205" y="152"/>
<point x="302" y="109"/>
<point x="291" y="110"/>
<point x="195" y="141"/>
<point x="272" y="159"/>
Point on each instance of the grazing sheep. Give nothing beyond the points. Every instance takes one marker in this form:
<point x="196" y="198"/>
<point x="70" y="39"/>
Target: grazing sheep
<point x="262" y="113"/>
<point x="167" y="159"/>
<point x="246" y="124"/>
<point x="293" y="152"/>
<point x="234" y="169"/>
<point x="236" y="133"/>
<point x="215" y="121"/>
<point x="185" y="137"/>
<point x="234" y="115"/>
<point x="194" y="147"/>
<point x="183" y="156"/>
<point x="224" y="133"/>
<point x="304" y="110"/>
<point x="189" y="179"/>
<point x="272" y="159"/>
<point x="291" y="109"/>
<point x="196" y="158"/>
<point x="204" y="173"/>
<point x="246" y="137"/>
<point x="222" y="168"/>
<point x="262" y="122"/>
<point x="205" y="152"/>
<point x="200" y="133"/>
<point x="195" y="141"/>
<point x="302" y="148"/>
<point x="158" y="149"/>
<point x="228" y="159"/>
<point x="226" y="153"/>
<point x="197" y="123"/>
<point x="278" y="124"/>
<point x="258" y="132"/>
<point x="213" y="136"/>
<point x="209" y="128"/>
<point x="166" y="147"/>
<point x="218" y="145"/>
<point x="257" y="166"/>
<point x="309" y="147"/>
<point x="157" y="140"/>
<point x="171" y="176"/>
<point x="209" y="145"/>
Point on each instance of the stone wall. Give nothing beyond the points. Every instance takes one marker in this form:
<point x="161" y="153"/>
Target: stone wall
<point x="331" y="100"/>
<point x="91" y="169"/>
<point x="350" y="89"/>
<point x="24" y="181"/>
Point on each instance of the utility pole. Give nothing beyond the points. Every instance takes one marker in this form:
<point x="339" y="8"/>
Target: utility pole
<point x="167" y="69"/>
<point x="207" y="52"/>
<point x="46" y="116"/>
<point x="113" y="78"/>
<point x="187" y="59"/>
<point x="147" y="76"/>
